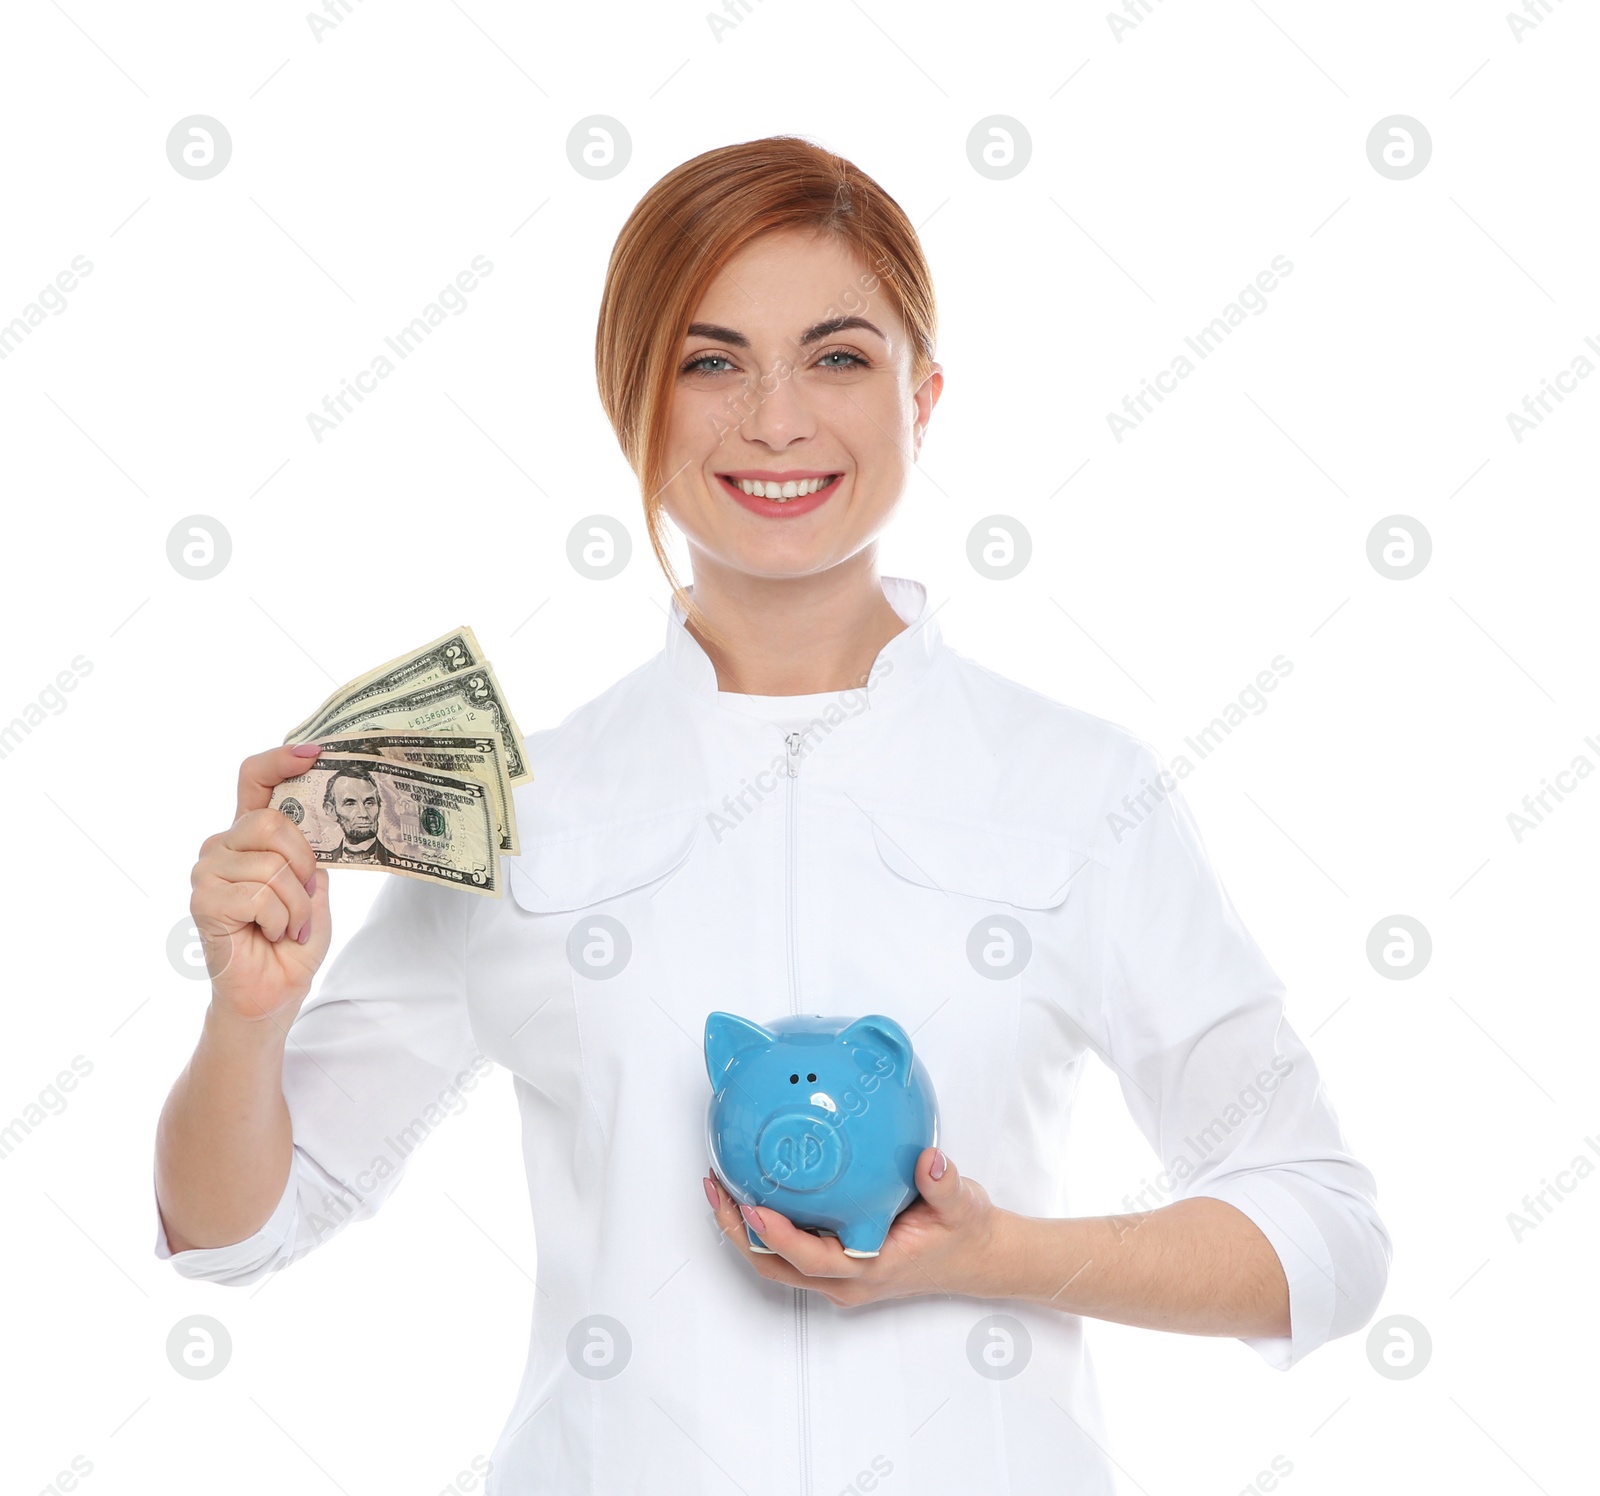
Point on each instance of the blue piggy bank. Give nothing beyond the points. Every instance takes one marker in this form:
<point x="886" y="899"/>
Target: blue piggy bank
<point x="820" y="1118"/>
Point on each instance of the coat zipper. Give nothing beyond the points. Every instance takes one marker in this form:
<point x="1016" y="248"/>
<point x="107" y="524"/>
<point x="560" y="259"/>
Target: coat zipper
<point x="793" y="741"/>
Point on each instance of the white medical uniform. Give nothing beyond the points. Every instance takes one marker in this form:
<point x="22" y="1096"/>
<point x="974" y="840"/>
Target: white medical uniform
<point x="1009" y="878"/>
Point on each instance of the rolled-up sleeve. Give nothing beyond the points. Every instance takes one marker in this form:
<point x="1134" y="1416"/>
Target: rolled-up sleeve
<point x="1218" y="1081"/>
<point x="380" y="1056"/>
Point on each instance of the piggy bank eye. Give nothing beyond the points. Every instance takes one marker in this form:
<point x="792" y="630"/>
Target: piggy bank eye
<point x="794" y="1080"/>
<point x="811" y="1077"/>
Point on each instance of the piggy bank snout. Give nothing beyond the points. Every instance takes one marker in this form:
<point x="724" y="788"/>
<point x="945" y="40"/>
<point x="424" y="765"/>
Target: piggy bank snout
<point x="799" y="1151"/>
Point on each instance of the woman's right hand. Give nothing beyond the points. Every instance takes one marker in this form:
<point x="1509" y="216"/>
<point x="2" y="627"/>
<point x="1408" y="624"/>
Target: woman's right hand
<point x="260" y="902"/>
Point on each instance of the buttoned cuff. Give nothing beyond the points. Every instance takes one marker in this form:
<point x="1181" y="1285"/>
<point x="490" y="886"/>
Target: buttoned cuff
<point x="239" y="1262"/>
<point x="1307" y="1264"/>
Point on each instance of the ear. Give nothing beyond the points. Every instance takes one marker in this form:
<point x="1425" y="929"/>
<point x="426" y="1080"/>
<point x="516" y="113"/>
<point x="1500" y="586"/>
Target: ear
<point x="882" y="1034"/>
<point x="727" y="1034"/>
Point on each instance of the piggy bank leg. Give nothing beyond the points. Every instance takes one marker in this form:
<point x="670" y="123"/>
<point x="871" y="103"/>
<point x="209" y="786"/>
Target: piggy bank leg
<point x="755" y="1243"/>
<point x="863" y="1241"/>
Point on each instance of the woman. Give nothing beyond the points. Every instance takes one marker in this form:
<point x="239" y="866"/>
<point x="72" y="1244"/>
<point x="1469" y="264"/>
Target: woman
<point x="806" y="803"/>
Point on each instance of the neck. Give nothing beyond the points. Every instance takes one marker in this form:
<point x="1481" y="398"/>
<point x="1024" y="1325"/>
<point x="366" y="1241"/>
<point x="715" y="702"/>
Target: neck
<point x="794" y="636"/>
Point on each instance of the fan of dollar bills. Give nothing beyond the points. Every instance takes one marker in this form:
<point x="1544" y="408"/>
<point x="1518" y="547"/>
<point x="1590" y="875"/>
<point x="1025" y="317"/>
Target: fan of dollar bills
<point x="417" y="766"/>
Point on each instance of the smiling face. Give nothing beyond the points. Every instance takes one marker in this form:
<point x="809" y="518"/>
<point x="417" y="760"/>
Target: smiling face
<point x="794" y="422"/>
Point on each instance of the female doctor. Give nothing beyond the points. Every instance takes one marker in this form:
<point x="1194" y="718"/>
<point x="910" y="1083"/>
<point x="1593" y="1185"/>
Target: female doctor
<point x="805" y="803"/>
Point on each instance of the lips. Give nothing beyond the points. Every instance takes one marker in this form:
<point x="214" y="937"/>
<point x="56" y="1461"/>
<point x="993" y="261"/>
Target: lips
<point x="805" y="490"/>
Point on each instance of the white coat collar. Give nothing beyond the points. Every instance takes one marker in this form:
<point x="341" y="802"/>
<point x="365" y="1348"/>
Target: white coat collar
<point x="610" y="810"/>
<point x="900" y="667"/>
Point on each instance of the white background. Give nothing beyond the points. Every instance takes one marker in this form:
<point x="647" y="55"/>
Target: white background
<point x="1167" y="169"/>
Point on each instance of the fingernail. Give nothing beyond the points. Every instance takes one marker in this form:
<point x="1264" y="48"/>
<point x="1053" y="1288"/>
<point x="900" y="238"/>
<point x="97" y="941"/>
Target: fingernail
<point x="711" y="1192"/>
<point x="306" y="750"/>
<point x="936" y="1168"/>
<point x="311" y="883"/>
<point x="752" y="1218"/>
<point x="305" y="932"/>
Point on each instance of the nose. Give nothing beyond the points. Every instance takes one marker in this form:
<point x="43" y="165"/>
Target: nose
<point x="799" y="1151"/>
<point x="778" y="410"/>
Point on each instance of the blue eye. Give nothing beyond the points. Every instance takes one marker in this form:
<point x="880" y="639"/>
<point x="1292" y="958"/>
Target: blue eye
<point x="694" y="365"/>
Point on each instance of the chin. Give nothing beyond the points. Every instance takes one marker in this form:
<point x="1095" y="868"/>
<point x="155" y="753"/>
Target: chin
<point x="774" y="562"/>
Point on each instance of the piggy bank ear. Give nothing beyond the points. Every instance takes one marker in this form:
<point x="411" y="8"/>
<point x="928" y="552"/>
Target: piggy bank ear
<point x="882" y="1036"/>
<point x="726" y="1035"/>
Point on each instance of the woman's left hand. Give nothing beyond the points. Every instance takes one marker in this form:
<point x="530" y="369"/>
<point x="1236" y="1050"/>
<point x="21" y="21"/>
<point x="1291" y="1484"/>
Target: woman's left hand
<point x="945" y="1242"/>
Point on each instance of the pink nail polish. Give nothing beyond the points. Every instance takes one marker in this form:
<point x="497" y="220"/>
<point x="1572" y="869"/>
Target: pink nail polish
<point x="937" y="1167"/>
<point x="752" y="1218"/>
<point x="306" y="750"/>
<point x="305" y="933"/>
<point x="711" y="1192"/>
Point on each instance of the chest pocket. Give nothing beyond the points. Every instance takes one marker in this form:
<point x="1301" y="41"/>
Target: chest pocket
<point x="574" y="871"/>
<point x="974" y="942"/>
<point x="979" y="862"/>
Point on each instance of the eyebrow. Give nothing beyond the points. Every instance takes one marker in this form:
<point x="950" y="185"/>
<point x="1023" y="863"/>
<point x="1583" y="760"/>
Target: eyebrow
<point x="811" y="335"/>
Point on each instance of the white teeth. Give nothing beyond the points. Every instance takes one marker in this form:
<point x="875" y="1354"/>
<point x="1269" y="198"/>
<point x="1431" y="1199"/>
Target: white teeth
<point x="780" y="491"/>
